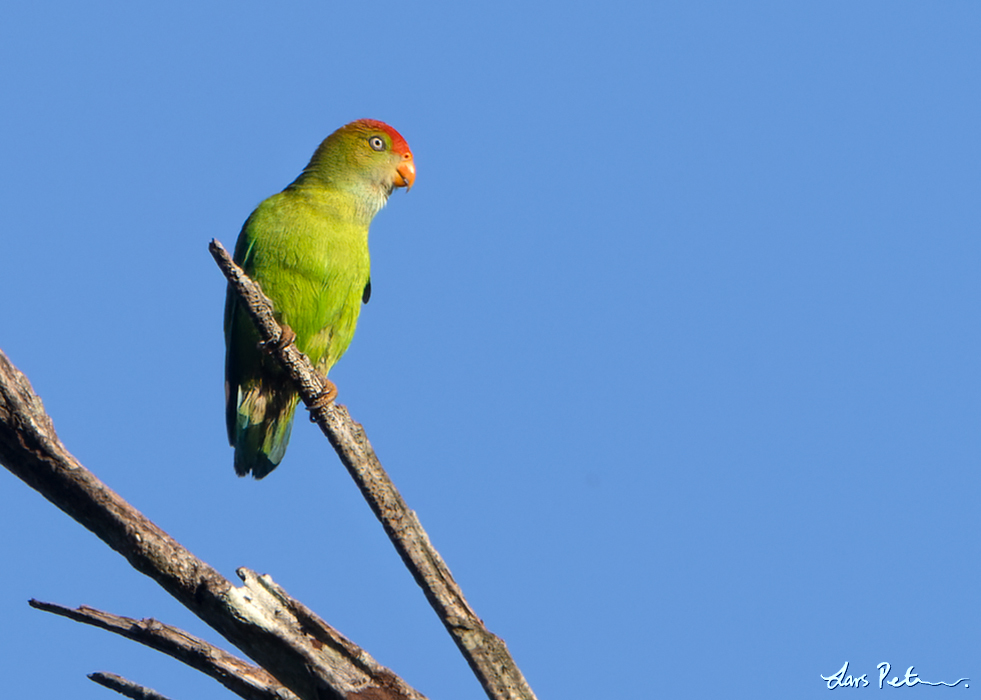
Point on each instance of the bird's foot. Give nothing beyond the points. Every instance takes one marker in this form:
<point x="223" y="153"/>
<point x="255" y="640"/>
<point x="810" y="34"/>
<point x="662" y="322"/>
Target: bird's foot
<point x="326" y="398"/>
<point x="286" y="336"/>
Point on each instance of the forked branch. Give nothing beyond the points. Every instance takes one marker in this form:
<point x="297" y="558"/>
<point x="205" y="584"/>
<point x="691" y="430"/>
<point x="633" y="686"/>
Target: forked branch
<point x="300" y="650"/>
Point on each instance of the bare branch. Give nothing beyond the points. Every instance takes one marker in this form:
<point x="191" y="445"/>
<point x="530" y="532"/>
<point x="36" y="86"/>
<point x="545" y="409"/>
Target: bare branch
<point x="259" y="617"/>
<point x="485" y="652"/>
<point x="240" y="677"/>
<point x="125" y="687"/>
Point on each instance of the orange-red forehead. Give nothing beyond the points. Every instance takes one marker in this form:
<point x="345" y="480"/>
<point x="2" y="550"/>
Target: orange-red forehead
<point x="399" y="144"/>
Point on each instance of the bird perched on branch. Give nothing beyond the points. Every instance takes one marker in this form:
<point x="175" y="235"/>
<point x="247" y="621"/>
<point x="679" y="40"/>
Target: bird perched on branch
<point x="307" y="247"/>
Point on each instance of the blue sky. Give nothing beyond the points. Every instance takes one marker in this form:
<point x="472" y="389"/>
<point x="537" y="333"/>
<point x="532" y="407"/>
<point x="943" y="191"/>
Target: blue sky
<point x="673" y="347"/>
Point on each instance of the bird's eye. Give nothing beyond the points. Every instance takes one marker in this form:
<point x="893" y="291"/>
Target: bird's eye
<point x="377" y="143"/>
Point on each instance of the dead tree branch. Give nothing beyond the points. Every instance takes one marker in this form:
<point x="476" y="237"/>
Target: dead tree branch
<point x="486" y="653"/>
<point x="280" y="634"/>
<point x="125" y="687"/>
<point x="242" y="678"/>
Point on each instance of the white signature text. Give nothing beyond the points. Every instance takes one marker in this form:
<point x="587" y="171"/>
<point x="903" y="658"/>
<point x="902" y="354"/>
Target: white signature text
<point x="843" y="679"/>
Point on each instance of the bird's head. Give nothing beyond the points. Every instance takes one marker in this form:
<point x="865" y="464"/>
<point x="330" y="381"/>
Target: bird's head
<point x="366" y="156"/>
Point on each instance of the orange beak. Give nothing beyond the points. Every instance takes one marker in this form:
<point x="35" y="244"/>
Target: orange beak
<point x="406" y="172"/>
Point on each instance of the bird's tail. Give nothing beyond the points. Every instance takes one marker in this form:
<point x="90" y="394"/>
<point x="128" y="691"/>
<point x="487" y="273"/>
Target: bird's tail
<point x="263" y="423"/>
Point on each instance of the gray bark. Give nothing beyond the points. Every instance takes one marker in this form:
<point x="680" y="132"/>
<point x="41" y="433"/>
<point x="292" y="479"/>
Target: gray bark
<point x="125" y="687"/>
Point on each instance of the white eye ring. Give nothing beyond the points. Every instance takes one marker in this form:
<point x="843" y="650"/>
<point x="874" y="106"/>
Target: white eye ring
<point x="377" y="143"/>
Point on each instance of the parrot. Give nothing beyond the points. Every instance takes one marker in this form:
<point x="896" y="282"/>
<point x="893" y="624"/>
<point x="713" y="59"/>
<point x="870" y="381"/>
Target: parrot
<point x="307" y="248"/>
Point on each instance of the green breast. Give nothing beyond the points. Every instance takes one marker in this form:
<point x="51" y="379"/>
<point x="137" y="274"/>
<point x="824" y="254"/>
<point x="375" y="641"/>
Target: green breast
<point x="310" y="255"/>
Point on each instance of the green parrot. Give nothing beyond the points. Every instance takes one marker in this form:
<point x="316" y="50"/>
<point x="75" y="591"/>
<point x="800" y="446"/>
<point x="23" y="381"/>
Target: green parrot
<point x="307" y="247"/>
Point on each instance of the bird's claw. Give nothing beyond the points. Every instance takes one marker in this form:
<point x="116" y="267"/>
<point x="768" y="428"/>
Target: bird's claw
<point x="325" y="398"/>
<point x="286" y="336"/>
